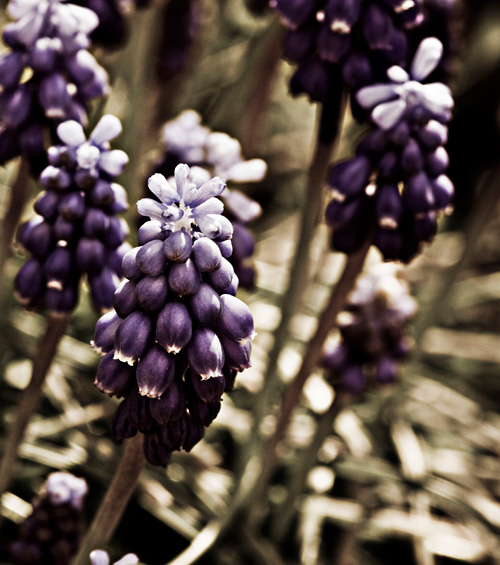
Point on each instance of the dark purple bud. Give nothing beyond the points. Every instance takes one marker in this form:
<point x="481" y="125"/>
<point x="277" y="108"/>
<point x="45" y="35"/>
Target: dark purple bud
<point x="102" y="288"/>
<point x="138" y="411"/>
<point x="121" y="426"/>
<point x="386" y="370"/>
<point x="184" y="278"/>
<point x="151" y="292"/>
<point x="293" y="12"/>
<point x="222" y="278"/>
<point x="55" y="178"/>
<point x="150" y="230"/>
<point x="353" y="379"/>
<point x="29" y="280"/>
<point x="171" y="406"/>
<point x="155" y="372"/>
<point x="155" y="450"/>
<point x="95" y="223"/>
<point x="229" y="378"/>
<point x="433" y="134"/>
<point x="357" y="70"/>
<point x="390" y="243"/>
<point x="437" y="162"/>
<point x="374" y="143"/>
<point x="208" y="390"/>
<point x="412" y="160"/>
<point x="58" y="268"/>
<point x="236" y="353"/>
<point x="336" y="359"/>
<point x="81" y="66"/>
<point x="226" y="248"/>
<point x="113" y="377"/>
<point x="235" y="320"/>
<point x="114" y="257"/>
<point x="124" y="299"/>
<point x="418" y="194"/>
<point x="205" y="304"/>
<point x="243" y="242"/>
<point x="174" y="327"/>
<point x="195" y="430"/>
<point x="116" y="232"/>
<point x="130" y="268"/>
<point x="150" y="258"/>
<point x="62" y="156"/>
<point x="377" y="26"/>
<point x="400" y="133"/>
<point x="178" y="247"/>
<point x="299" y="44"/>
<point x="104" y="335"/>
<point x="133" y="337"/>
<point x="206" y="254"/>
<point x="86" y="178"/>
<point x="232" y="289"/>
<point x="349" y="178"/>
<point x="443" y="191"/>
<point x="343" y="213"/>
<point x="15" y="106"/>
<point x="53" y="96"/>
<point x="101" y="193"/>
<point x="36" y="237"/>
<point x="72" y="206"/>
<point x="62" y="301"/>
<point x="205" y="353"/>
<point x="332" y="46"/>
<point x="47" y="205"/>
<point x="313" y="77"/>
<point x="90" y="255"/>
<point x="11" y="68"/>
<point x="389" y="206"/>
<point x="203" y="413"/>
<point x="65" y="230"/>
<point x="425" y="226"/>
<point x="388" y="166"/>
<point x="396" y="52"/>
<point x="174" y="432"/>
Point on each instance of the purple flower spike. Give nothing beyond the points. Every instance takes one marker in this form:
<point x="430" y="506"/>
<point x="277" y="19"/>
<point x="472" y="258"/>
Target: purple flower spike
<point x="155" y="372"/>
<point x="235" y="320"/>
<point x="174" y="327"/>
<point x="205" y="354"/>
<point x="132" y="337"/>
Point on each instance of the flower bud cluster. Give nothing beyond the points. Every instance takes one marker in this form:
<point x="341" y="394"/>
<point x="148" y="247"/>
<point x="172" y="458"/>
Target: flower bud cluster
<point x="100" y="557"/>
<point x="52" y="532"/>
<point x="395" y="188"/>
<point x="373" y="330"/>
<point x="178" y="335"/>
<point x="364" y="36"/>
<point x="48" y="76"/>
<point x="77" y="229"/>
<point x="187" y="140"/>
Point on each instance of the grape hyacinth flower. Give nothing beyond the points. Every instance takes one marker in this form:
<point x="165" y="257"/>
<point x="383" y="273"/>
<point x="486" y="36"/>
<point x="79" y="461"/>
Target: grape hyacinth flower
<point x="100" y="557"/>
<point x="187" y="140"/>
<point x="77" y="229"/>
<point x="178" y="335"/>
<point x="396" y="180"/>
<point x="363" y="37"/>
<point x="48" y="76"/>
<point x="51" y="534"/>
<point x="373" y="330"/>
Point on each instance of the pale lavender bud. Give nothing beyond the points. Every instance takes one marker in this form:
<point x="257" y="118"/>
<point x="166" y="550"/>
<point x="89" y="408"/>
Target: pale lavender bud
<point x="178" y="247"/>
<point x="207" y="255"/>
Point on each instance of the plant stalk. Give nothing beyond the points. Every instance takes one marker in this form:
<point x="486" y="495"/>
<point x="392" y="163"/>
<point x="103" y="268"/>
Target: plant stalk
<point x="115" y="501"/>
<point x="47" y="347"/>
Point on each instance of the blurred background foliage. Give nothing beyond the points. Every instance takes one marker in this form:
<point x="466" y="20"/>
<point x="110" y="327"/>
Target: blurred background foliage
<point x="409" y="473"/>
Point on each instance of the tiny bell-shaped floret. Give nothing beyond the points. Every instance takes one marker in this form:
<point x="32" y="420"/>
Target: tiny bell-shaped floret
<point x="130" y="269"/>
<point x="205" y="353"/>
<point x="235" y="320"/>
<point x="155" y="372"/>
<point x="132" y="337"/>
<point x="151" y="292"/>
<point x="114" y="377"/>
<point x="171" y="406"/>
<point x="221" y="278"/>
<point x="236" y="353"/>
<point x="349" y="178"/>
<point x="184" y="278"/>
<point x="208" y="390"/>
<point x="124" y="299"/>
<point x="150" y="258"/>
<point x="174" y="327"/>
<point x="207" y="255"/>
<point x="104" y="335"/>
<point x="178" y="247"/>
<point x="205" y="304"/>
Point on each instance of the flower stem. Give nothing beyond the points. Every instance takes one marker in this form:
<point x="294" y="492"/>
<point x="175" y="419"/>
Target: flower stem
<point x="47" y="346"/>
<point x="18" y="197"/>
<point x="115" y="501"/>
<point x="285" y="513"/>
<point x="353" y="267"/>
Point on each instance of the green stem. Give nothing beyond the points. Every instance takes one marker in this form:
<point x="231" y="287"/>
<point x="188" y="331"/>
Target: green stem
<point x="353" y="267"/>
<point x="286" y="510"/>
<point x="18" y="197"/>
<point x="56" y="326"/>
<point x="115" y="501"/>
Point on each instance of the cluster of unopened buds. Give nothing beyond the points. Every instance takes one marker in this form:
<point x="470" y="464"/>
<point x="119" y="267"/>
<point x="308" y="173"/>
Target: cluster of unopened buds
<point x="77" y="229"/>
<point x="373" y="331"/>
<point x="178" y="335"/>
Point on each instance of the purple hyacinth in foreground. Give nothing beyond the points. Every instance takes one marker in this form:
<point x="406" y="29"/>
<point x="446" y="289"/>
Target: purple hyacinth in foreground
<point x="373" y="330"/>
<point x="187" y="140"/>
<point x="100" y="557"/>
<point x="395" y="188"/>
<point x="48" y="76"/>
<point x="52" y="533"/>
<point x="178" y="335"/>
<point x="77" y="229"/>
